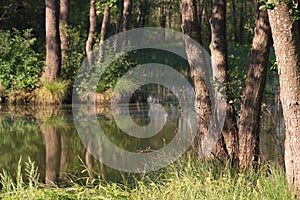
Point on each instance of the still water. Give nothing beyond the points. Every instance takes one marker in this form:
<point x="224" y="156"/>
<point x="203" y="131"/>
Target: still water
<point x="48" y="137"/>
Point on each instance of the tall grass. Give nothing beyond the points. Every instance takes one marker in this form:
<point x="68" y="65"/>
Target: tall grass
<point x="185" y="179"/>
<point x="52" y="92"/>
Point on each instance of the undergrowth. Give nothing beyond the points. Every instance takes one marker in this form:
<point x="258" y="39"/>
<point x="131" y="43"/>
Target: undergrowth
<point x="185" y="179"/>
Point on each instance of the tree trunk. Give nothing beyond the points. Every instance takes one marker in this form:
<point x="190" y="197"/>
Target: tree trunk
<point x="242" y="23"/>
<point x="64" y="21"/>
<point x="249" y="124"/>
<point x="235" y="21"/>
<point x="126" y="15"/>
<point x="190" y="27"/>
<point x="190" y="24"/>
<point x="125" y="24"/>
<point x="91" y="37"/>
<point x="218" y="48"/>
<point x="105" y="22"/>
<point x="286" y="39"/>
<point x="53" y="49"/>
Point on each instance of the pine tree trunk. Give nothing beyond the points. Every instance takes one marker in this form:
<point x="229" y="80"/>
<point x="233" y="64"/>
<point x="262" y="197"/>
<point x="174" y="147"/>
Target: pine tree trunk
<point x="286" y="39"/>
<point x="190" y="24"/>
<point x="64" y="21"/>
<point x="249" y="124"/>
<point x="53" y="50"/>
<point x="105" y="22"/>
<point x="122" y="42"/>
<point x="91" y="37"/>
<point x="190" y="27"/>
<point x="218" y="48"/>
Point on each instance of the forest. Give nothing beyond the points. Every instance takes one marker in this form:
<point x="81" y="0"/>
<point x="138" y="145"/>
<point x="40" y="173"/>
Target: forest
<point x="252" y="48"/>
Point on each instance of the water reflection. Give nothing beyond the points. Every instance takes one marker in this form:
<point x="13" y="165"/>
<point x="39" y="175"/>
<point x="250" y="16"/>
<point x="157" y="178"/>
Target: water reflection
<point x="47" y="135"/>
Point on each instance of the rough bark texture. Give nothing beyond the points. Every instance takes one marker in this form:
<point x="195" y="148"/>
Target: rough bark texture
<point x="53" y="50"/>
<point x="91" y="37"/>
<point x="64" y="21"/>
<point x="249" y="124"/>
<point x="287" y="46"/>
<point x="190" y="24"/>
<point x="190" y="27"/>
<point x="218" y="48"/>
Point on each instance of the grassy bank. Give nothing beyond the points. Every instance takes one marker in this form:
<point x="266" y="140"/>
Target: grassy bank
<point x="186" y="179"/>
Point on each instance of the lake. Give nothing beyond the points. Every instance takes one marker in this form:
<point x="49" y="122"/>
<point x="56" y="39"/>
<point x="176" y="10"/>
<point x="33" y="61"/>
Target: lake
<point x="47" y="135"/>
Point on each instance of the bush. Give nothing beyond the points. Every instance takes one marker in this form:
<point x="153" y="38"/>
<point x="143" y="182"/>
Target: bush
<point x="20" y="65"/>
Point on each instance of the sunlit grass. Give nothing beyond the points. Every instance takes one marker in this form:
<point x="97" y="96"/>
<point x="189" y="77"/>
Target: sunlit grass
<point x="52" y="92"/>
<point x="185" y="179"/>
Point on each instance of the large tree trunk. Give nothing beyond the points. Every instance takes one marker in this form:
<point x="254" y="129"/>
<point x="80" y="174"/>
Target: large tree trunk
<point x="53" y="50"/>
<point x="249" y="124"/>
<point x="286" y="39"/>
<point x="190" y="24"/>
<point x="64" y="21"/>
<point x="218" y="48"/>
<point x="91" y="37"/>
<point x="190" y="27"/>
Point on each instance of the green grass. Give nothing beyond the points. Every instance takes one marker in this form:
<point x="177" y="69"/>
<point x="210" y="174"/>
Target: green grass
<point x="52" y="92"/>
<point x="185" y="179"/>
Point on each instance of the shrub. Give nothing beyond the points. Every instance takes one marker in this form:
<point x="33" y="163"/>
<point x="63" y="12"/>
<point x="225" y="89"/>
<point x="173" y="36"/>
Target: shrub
<point x="20" y="64"/>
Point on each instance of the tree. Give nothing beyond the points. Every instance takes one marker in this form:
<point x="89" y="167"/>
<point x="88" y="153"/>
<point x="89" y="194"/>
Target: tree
<point x="189" y="16"/>
<point x="105" y="22"/>
<point x="126" y="15"/>
<point x="64" y="21"/>
<point x="286" y="37"/>
<point x="190" y="27"/>
<point x="218" y="48"/>
<point x="53" y="49"/>
<point x="91" y="36"/>
<point x="253" y="92"/>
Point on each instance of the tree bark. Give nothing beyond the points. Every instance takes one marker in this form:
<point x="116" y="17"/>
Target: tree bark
<point x="53" y="50"/>
<point x="190" y="27"/>
<point x="64" y="21"/>
<point x="218" y="48"/>
<point x="91" y="37"/>
<point x="126" y="15"/>
<point x="249" y="124"/>
<point x="286" y="39"/>
<point x="105" y="22"/>
<point x="242" y="23"/>
<point x="127" y="6"/>
<point x="190" y="24"/>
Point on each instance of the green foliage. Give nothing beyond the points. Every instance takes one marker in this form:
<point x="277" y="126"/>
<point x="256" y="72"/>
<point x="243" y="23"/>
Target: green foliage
<point x="20" y="65"/>
<point x="115" y="71"/>
<point x="185" y="179"/>
<point x="76" y="54"/>
<point x="238" y="61"/>
<point x="52" y="92"/>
